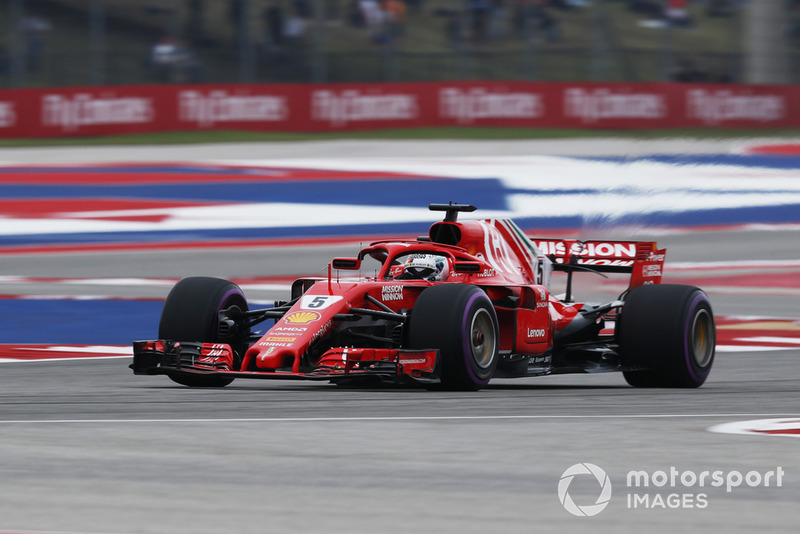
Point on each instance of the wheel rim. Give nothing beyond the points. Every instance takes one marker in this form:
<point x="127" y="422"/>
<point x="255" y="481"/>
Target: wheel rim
<point x="482" y="339"/>
<point x="702" y="338"/>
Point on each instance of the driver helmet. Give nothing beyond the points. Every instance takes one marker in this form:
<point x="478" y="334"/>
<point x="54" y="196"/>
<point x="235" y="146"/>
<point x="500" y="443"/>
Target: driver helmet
<point x="426" y="267"/>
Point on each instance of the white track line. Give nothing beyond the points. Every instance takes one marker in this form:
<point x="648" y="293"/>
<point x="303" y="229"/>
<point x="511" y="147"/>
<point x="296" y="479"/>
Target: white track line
<point x="392" y="419"/>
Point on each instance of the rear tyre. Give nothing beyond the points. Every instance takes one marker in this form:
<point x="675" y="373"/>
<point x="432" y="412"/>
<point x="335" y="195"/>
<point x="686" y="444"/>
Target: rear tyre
<point x="191" y="313"/>
<point x="669" y="330"/>
<point x="461" y="323"/>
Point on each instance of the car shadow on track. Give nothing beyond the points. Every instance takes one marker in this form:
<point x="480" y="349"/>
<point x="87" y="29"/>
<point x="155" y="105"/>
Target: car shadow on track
<point x="394" y="388"/>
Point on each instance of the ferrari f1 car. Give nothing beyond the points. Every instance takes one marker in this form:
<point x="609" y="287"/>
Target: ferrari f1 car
<point x="469" y="302"/>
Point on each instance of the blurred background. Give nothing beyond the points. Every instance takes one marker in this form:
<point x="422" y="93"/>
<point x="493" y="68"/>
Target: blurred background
<point x="47" y="43"/>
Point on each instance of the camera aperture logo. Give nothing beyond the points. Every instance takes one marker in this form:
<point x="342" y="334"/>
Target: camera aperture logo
<point x="587" y="510"/>
<point x="665" y="489"/>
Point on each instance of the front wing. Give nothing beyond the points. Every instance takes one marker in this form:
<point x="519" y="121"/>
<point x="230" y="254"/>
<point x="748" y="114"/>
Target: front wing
<point x="336" y="365"/>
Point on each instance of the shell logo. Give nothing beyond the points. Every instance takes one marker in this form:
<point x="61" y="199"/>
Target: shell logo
<point x="302" y="317"/>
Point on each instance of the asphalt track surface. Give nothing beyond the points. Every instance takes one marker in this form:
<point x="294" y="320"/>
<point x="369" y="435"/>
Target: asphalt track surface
<point x="87" y="447"/>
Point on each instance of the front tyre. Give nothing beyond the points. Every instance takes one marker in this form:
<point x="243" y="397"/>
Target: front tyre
<point x="460" y="322"/>
<point x="670" y="331"/>
<point x="191" y="313"/>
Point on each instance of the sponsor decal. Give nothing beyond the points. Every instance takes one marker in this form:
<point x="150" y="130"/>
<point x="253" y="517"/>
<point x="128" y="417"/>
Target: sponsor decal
<point x="613" y="263"/>
<point x="321" y="332"/>
<point x="84" y="109"/>
<point x="601" y="104"/>
<point x="722" y="105"/>
<point x="412" y="361"/>
<point x="289" y="329"/>
<point x="396" y="270"/>
<point x="651" y="271"/>
<point x="281" y="339"/>
<point x="478" y="103"/>
<point x="207" y="109"/>
<point x="602" y="249"/>
<point x="302" y="317"/>
<point x="274" y="344"/>
<point x="389" y="293"/>
<point x="351" y="105"/>
<point x="215" y="351"/>
<point x="8" y="115"/>
<point x="536" y="333"/>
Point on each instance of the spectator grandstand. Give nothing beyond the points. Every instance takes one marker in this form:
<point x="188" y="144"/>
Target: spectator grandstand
<point x="107" y="42"/>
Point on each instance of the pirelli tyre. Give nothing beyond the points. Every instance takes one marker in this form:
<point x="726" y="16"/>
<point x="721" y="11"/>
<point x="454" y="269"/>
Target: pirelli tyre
<point x="459" y="321"/>
<point x="669" y="331"/>
<point x="191" y="313"/>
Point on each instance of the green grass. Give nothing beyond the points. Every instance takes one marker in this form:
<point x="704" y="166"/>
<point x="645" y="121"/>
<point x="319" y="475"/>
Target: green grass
<point x="227" y="136"/>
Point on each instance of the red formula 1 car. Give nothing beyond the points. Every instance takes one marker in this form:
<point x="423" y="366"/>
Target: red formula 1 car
<point x="467" y="303"/>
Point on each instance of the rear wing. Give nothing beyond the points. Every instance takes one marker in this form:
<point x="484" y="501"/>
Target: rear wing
<point x="642" y="259"/>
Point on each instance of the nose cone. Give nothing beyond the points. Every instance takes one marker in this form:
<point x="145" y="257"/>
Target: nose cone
<point x="306" y="323"/>
<point x="270" y="358"/>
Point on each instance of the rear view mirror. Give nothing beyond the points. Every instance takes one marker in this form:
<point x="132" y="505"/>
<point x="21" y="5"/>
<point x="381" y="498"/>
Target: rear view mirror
<point x="467" y="267"/>
<point x="346" y="263"/>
